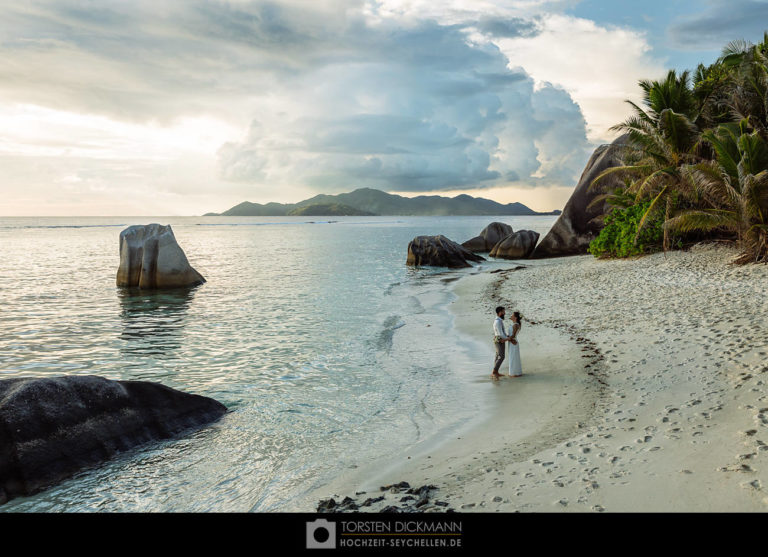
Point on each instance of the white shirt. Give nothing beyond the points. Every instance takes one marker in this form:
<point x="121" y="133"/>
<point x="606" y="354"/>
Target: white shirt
<point x="498" y="328"/>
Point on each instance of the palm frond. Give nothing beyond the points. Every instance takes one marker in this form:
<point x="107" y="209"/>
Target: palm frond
<point x="621" y="171"/>
<point x="695" y="220"/>
<point x="648" y="212"/>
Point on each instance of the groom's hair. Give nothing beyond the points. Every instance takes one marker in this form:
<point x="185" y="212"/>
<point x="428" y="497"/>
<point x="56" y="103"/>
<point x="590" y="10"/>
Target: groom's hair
<point x="498" y="309"/>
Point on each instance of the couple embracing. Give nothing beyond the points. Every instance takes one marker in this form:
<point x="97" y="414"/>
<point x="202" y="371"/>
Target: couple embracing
<point x="500" y="337"/>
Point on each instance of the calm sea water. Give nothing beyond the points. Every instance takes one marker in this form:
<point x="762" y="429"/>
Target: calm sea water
<point x="329" y="351"/>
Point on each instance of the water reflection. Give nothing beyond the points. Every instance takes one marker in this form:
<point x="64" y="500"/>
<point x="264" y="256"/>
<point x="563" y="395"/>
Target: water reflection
<point x="153" y="321"/>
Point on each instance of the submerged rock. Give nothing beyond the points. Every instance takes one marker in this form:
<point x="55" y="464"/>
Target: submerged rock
<point x="489" y="237"/>
<point x="517" y="245"/>
<point x="150" y="258"/>
<point x="54" y="427"/>
<point x="577" y="226"/>
<point x="439" y="251"/>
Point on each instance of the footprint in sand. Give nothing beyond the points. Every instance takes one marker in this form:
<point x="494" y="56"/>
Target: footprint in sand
<point x="754" y="484"/>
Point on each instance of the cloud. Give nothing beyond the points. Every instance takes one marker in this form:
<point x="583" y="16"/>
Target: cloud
<point x="722" y="21"/>
<point x="145" y="60"/>
<point x="598" y="66"/>
<point x="332" y="94"/>
<point x="419" y="108"/>
<point x="506" y="28"/>
<point x="451" y="12"/>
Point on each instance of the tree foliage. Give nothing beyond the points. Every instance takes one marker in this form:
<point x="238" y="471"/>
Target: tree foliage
<point x="697" y="159"/>
<point x="622" y="236"/>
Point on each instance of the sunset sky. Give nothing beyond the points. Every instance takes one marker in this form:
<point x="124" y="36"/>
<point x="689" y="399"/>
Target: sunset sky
<point x="185" y="107"/>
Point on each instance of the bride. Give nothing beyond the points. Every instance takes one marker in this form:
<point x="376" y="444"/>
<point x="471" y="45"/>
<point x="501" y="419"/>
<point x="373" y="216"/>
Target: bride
<point x="515" y="367"/>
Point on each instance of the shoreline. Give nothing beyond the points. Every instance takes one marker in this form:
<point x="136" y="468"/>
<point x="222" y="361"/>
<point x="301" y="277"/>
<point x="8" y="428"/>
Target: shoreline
<point x="461" y="453"/>
<point x="672" y="417"/>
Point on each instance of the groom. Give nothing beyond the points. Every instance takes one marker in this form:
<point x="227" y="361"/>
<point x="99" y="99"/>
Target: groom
<point x="499" y="338"/>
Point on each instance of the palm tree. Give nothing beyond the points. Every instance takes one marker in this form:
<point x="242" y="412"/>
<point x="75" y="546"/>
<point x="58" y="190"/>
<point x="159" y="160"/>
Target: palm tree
<point x="673" y="93"/>
<point x="713" y="181"/>
<point x="660" y="142"/>
<point x="732" y="191"/>
<point x="748" y="90"/>
<point x="712" y="90"/>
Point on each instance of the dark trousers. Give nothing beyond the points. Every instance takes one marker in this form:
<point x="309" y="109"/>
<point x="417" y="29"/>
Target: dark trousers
<point x="499" y="356"/>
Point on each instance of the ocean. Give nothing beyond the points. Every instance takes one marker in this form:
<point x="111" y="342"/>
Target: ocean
<point x="328" y="350"/>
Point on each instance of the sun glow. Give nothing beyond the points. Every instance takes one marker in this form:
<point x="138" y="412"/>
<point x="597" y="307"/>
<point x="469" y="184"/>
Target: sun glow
<point x="30" y="130"/>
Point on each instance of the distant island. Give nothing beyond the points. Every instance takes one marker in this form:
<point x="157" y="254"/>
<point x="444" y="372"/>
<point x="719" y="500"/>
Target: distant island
<point x="371" y="202"/>
<point x="328" y="210"/>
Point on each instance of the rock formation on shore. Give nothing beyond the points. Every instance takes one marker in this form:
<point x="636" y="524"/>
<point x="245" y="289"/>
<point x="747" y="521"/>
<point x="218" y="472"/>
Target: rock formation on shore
<point x="150" y="258"/>
<point x="439" y="251"/>
<point x="51" y="428"/>
<point x="576" y="227"/>
<point x="517" y="245"/>
<point x="489" y="237"/>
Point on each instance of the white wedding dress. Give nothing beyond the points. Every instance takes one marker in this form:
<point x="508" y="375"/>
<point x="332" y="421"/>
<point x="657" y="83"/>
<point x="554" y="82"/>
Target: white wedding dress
<point x="515" y="367"/>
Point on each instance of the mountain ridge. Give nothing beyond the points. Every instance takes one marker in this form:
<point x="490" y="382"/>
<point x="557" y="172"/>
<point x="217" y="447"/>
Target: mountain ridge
<point x="382" y="203"/>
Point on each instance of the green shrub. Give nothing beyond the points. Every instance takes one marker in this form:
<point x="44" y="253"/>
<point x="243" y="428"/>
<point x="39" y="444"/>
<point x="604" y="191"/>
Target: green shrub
<point x="617" y="238"/>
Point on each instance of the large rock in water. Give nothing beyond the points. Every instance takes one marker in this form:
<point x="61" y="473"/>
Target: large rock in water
<point x="151" y="258"/>
<point x="439" y="251"/>
<point x="489" y="237"/>
<point x="53" y="427"/>
<point x="517" y="245"/>
<point x="577" y="225"/>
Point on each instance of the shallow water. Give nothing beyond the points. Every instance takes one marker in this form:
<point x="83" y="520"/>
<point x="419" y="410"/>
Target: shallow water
<point x="326" y="348"/>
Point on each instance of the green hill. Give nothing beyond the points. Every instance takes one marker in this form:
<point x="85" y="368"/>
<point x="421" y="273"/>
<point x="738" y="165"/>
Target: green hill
<point x="328" y="210"/>
<point x="376" y="202"/>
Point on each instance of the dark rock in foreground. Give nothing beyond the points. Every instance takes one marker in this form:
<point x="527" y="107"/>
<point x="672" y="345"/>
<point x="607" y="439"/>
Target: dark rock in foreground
<point x="54" y="427"/>
<point x="489" y="237"/>
<point x="517" y="245"/>
<point x="439" y="251"/>
<point x="150" y="258"/>
<point x="416" y="500"/>
<point x="577" y="225"/>
<point x="395" y="488"/>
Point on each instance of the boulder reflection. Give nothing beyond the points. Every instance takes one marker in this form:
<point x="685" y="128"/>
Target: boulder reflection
<point x="153" y="320"/>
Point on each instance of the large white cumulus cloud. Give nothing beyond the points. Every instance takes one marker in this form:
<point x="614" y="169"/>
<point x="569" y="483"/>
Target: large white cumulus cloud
<point x="414" y="108"/>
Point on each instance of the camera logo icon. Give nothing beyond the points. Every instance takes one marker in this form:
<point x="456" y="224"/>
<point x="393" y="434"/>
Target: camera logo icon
<point x="321" y="534"/>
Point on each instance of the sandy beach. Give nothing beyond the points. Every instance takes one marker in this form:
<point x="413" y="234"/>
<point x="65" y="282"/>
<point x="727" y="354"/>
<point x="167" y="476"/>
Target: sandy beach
<point x="643" y="390"/>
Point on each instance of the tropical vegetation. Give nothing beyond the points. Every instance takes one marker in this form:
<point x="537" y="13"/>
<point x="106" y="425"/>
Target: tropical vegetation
<point x="619" y="237"/>
<point x="695" y="161"/>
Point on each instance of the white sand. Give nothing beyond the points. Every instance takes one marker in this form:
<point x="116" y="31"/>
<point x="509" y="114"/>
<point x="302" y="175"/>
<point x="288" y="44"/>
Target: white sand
<point x="643" y="391"/>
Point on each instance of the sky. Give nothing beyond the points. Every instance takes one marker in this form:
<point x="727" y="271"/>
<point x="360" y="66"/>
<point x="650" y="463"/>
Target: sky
<point x="183" y="107"/>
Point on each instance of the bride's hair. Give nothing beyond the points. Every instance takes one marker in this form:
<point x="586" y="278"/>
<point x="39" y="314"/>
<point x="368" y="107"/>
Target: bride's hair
<point x="517" y="316"/>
